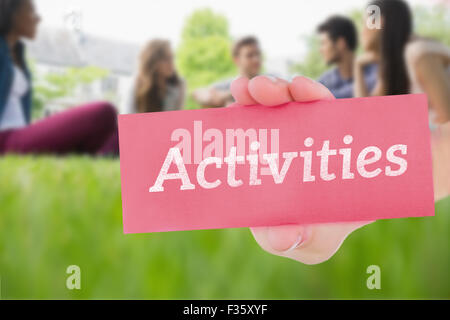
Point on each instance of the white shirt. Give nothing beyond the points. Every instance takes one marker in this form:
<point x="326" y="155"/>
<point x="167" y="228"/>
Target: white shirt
<point x="13" y="117"/>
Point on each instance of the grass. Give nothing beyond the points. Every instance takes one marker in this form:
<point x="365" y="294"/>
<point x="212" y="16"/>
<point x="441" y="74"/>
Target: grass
<point x="61" y="212"/>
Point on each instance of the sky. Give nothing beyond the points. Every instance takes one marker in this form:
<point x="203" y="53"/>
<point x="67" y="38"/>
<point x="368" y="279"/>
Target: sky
<point x="279" y="24"/>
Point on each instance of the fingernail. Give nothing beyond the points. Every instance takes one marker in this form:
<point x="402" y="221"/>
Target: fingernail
<point x="271" y="78"/>
<point x="296" y="245"/>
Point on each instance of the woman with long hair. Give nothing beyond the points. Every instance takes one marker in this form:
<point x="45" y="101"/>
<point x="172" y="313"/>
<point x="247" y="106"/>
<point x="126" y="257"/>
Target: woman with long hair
<point x="91" y="129"/>
<point x="407" y="63"/>
<point x="158" y="86"/>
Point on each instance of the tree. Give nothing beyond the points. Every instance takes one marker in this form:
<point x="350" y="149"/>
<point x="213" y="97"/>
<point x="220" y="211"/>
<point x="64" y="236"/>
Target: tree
<point x="312" y="65"/>
<point x="204" y="55"/>
<point x="54" y="85"/>
<point x="433" y="22"/>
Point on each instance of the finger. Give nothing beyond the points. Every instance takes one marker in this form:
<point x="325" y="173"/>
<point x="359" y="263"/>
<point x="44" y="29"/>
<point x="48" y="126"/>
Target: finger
<point x="325" y="241"/>
<point x="279" y="239"/>
<point x="269" y="91"/>
<point x="303" y="89"/>
<point x="286" y="238"/>
<point x="320" y="242"/>
<point x="240" y="93"/>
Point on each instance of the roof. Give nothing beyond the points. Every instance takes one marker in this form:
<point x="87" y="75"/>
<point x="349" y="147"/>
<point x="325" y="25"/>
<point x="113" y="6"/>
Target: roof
<point x="62" y="47"/>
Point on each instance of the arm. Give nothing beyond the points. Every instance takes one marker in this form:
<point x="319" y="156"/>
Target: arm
<point x="212" y="97"/>
<point x="432" y="77"/>
<point x="434" y="81"/>
<point x="440" y="144"/>
<point x="360" y="86"/>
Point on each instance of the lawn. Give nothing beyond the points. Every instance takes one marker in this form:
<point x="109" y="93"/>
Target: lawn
<point x="61" y="212"/>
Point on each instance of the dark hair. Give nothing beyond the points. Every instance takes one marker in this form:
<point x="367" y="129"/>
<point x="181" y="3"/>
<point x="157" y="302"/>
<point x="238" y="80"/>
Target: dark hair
<point x="243" y="42"/>
<point x="8" y="8"/>
<point x="396" y="33"/>
<point x="340" y="27"/>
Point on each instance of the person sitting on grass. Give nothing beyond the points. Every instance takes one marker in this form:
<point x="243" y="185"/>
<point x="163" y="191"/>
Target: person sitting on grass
<point x="338" y="43"/>
<point x="89" y="129"/>
<point x="247" y="57"/>
<point x="157" y="87"/>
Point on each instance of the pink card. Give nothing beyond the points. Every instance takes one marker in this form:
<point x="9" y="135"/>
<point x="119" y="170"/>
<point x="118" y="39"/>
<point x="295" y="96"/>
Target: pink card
<point x="300" y="163"/>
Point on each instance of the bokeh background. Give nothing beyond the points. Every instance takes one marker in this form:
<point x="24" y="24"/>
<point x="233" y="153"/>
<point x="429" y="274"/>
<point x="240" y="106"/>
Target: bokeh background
<point x="56" y="212"/>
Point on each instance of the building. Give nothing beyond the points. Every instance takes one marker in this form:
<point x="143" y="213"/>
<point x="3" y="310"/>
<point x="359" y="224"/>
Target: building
<point x="56" y="50"/>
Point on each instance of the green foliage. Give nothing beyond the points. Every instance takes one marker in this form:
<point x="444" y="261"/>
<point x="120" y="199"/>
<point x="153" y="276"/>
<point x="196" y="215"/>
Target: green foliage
<point x="54" y="85"/>
<point x="312" y="65"/>
<point x="204" y="55"/>
<point x="67" y="211"/>
<point x="433" y="22"/>
<point x="204" y="23"/>
<point x="205" y="60"/>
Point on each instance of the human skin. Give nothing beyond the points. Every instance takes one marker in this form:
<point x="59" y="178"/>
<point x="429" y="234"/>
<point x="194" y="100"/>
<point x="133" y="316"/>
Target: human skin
<point x="24" y="23"/>
<point x="430" y="70"/>
<point x="313" y="244"/>
<point x="248" y="61"/>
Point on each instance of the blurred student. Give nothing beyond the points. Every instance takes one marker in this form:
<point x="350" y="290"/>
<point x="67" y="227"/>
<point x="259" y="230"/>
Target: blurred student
<point x="157" y="86"/>
<point x="90" y="129"/>
<point x="247" y="57"/>
<point x="408" y="63"/>
<point x="338" y="42"/>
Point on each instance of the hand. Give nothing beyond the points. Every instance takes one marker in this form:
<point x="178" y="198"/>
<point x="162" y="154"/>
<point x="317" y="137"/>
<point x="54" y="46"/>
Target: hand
<point x="366" y="58"/>
<point x="360" y="86"/>
<point x="309" y="244"/>
<point x="212" y="98"/>
<point x="202" y="96"/>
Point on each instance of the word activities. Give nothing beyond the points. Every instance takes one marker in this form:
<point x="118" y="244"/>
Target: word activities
<point x="300" y="163"/>
<point x="366" y="157"/>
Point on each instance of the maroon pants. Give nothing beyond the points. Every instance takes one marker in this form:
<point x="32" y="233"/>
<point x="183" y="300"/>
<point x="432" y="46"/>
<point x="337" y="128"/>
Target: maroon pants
<point x="90" y="129"/>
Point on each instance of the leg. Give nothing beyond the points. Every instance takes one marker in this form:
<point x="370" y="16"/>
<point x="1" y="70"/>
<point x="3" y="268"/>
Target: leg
<point x="88" y="129"/>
